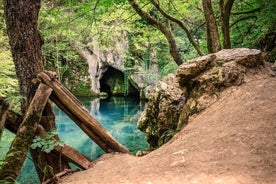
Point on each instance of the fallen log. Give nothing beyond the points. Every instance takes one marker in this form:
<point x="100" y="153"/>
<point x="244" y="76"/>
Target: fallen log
<point x="18" y="151"/>
<point x="66" y="101"/>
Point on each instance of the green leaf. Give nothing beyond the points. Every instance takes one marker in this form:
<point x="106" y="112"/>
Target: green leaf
<point x="34" y="146"/>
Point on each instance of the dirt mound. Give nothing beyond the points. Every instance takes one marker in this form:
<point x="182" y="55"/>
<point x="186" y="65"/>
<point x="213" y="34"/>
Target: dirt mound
<point x="231" y="142"/>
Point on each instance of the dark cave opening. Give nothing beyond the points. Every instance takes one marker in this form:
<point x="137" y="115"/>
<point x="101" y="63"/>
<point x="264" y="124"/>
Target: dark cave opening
<point x="112" y="83"/>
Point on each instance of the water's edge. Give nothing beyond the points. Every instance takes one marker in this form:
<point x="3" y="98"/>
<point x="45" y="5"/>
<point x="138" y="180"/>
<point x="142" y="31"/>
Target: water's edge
<point x="119" y="115"/>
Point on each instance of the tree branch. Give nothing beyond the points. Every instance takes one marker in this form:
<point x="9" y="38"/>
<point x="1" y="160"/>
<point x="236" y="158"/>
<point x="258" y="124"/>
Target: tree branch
<point x="167" y="33"/>
<point x="247" y="12"/>
<point x="242" y="19"/>
<point x="180" y="24"/>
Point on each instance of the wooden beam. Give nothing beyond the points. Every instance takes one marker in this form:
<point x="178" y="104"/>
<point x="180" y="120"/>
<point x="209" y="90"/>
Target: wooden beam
<point x="74" y="156"/>
<point x="18" y="151"/>
<point x="12" y="123"/>
<point x="66" y="101"/>
<point x="70" y="153"/>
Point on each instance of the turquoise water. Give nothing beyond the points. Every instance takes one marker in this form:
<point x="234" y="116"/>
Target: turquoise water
<point x="118" y="115"/>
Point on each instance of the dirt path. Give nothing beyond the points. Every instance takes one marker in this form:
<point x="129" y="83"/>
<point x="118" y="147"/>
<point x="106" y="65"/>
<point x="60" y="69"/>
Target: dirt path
<point x="231" y="142"/>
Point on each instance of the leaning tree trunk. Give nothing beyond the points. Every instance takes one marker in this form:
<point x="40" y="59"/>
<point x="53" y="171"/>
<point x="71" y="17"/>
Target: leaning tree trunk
<point x="213" y="43"/>
<point x="48" y="164"/>
<point x="25" y="41"/>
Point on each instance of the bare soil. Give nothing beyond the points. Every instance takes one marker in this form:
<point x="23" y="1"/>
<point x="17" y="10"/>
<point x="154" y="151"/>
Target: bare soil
<point x="231" y="142"/>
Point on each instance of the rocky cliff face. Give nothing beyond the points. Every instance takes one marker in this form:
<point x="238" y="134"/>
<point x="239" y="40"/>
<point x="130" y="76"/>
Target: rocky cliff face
<point x="196" y="85"/>
<point x="107" y="61"/>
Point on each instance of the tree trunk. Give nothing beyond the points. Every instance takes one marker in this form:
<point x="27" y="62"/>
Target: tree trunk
<point x="225" y="11"/>
<point x="213" y="43"/>
<point x="18" y="151"/>
<point x="25" y="41"/>
<point x="167" y="33"/>
<point x="180" y="24"/>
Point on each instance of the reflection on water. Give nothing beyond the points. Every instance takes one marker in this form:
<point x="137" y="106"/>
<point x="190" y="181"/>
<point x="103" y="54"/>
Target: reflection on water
<point x="119" y="115"/>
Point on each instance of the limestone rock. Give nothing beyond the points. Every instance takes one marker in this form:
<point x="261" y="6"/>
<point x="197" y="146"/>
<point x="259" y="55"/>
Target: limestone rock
<point x="193" y="68"/>
<point x="243" y="56"/>
<point x="101" y="62"/>
<point x="201" y="81"/>
<point x="227" y="68"/>
<point x="163" y="109"/>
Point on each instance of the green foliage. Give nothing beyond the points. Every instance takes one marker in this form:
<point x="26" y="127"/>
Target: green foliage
<point x="106" y="24"/>
<point x="247" y="27"/>
<point x="81" y="89"/>
<point x="3" y="36"/>
<point x="8" y="82"/>
<point x="8" y="180"/>
<point x="5" y="142"/>
<point x="47" y="143"/>
<point x="166" y="136"/>
<point x="48" y="170"/>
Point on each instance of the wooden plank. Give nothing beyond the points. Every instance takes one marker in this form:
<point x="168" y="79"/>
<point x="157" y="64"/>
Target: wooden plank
<point x="75" y="110"/>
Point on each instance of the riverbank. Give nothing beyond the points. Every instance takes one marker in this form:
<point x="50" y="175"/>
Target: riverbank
<point x="232" y="141"/>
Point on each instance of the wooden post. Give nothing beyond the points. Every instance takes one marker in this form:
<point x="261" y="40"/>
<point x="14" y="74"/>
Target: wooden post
<point x="66" y="101"/>
<point x="17" y="153"/>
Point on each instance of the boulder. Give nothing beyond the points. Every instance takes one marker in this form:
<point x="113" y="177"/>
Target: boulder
<point x="163" y="109"/>
<point x="196" y="85"/>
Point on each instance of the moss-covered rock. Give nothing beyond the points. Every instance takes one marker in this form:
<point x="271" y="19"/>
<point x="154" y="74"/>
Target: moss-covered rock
<point x="225" y="68"/>
<point x="164" y="107"/>
<point x="196" y="85"/>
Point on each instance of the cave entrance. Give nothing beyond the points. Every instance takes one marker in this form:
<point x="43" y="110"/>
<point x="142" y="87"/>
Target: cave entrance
<point x="113" y="84"/>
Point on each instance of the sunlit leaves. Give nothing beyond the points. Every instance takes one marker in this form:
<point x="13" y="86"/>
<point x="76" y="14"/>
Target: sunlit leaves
<point x="8" y="82"/>
<point x="103" y="24"/>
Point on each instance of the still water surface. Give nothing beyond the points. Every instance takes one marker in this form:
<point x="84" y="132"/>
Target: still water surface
<point x="119" y="115"/>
